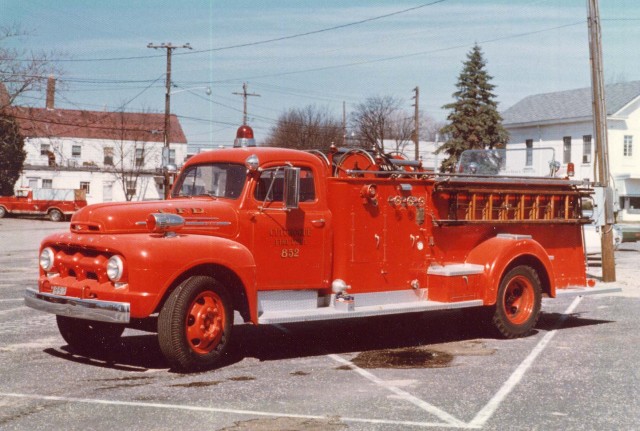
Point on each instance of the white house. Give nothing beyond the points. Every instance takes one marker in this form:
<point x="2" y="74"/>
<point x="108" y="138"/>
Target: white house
<point x="109" y="154"/>
<point x="561" y="124"/>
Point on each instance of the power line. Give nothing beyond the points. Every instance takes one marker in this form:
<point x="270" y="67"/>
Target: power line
<point x="397" y="57"/>
<point x="255" y="43"/>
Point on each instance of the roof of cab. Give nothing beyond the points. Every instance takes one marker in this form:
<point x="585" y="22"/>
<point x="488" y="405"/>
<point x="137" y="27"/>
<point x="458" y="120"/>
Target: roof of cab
<point x="264" y="154"/>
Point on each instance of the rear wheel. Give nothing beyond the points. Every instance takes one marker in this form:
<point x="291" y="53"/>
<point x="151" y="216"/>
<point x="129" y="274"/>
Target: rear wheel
<point x="3" y="212"/>
<point x="194" y="325"/>
<point x="518" y="303"/>
<point x="87" y="335"/>
<point x="56" y="215"/>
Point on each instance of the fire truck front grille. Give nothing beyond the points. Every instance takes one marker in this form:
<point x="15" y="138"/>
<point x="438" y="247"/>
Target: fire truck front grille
<point x="82" y="264"/>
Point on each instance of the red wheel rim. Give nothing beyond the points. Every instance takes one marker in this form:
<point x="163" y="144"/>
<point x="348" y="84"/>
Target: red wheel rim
<point x="205" y="322"/>
<point x="519" y="300"/>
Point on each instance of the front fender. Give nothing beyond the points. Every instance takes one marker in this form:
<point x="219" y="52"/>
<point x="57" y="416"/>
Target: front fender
<point x="159" y="261"/>
<point x="498" y="253"/>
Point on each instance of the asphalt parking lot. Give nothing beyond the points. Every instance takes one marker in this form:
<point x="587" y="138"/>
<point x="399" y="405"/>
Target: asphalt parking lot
<point x="579" y="370"/>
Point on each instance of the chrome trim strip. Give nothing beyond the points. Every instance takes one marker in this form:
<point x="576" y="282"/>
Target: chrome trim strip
<point x="455" y="269"/>
<point x="88" y="309"/>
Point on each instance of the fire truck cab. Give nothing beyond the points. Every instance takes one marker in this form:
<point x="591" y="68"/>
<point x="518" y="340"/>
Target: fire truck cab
<point x="281" y="235"/>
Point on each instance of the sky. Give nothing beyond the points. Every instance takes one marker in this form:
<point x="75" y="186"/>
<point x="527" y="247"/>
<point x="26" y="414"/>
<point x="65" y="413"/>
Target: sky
<point x="296" y="53"/>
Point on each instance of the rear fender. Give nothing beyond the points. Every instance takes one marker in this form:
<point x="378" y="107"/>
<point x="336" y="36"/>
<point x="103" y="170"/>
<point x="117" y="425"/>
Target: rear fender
<point x="501" y="252"/>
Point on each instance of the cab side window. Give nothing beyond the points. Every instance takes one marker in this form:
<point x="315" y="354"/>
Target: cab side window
<point x="270" y="186"/>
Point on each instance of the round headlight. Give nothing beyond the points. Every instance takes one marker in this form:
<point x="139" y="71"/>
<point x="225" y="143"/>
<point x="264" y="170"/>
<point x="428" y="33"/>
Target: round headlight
<point x="115" y="268"/>
<point x="47" y="258"/>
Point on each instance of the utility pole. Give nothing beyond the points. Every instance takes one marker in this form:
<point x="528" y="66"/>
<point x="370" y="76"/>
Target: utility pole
<point x="416" y="123"/>
<point x="344" y="123"/>
<point x="600" y="130"/>
<point x="244" y="95"/>
<point x="167" y="110"/>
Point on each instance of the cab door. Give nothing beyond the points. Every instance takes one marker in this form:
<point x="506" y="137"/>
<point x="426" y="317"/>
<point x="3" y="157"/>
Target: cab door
<point x="291" y="246"/>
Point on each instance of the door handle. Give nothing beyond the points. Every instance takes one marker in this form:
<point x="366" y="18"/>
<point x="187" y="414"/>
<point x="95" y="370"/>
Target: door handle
<point x="318" y="223"/>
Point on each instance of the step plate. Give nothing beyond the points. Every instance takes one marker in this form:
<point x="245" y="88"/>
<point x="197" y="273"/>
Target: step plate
<point x="330" y="313"/>
<point x="583" y="291"/>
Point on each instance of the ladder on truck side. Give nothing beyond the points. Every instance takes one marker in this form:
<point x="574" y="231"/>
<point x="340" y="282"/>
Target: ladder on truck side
<point x="510" y="205"/>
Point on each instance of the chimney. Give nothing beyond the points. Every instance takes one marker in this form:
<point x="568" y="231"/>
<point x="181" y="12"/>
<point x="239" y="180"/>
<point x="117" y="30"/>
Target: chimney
<point x="5" y="100"/>
<point x="51" y="92"/>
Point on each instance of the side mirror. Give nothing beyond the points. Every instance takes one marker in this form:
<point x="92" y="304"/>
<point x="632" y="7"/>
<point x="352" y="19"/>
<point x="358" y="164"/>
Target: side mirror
<point x="291" y="187"/>
<point x="171" y="168"/>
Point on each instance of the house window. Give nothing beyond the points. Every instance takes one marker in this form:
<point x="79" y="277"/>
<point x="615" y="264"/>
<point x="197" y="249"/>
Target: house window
<point x="139" y="156"/>
<point x="566" y="149"/>
<point x="47" y="183"/>
<point x="108" y="156"/>
<point x="628" y="146"/>
<point x="45" y="149"/>
<point x="586" y="149"/>
<point x="76" y="151"/>
<point x="172" y="157"/>
<point x="107" y="192"/>
<point x="529" y="145"/>
<point x="86" y="186"/>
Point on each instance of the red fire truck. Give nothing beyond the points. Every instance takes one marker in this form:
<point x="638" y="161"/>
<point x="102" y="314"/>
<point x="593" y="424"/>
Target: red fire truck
<point x="57" y="204"/>
<point x="280" y="236"/>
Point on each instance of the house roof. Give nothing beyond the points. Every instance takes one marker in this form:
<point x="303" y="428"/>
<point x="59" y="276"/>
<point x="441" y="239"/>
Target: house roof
<point x="570" y="104"/>
<point x="68" y="123"/>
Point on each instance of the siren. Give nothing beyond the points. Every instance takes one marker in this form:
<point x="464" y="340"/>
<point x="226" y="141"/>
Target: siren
<point x="244" y="137"/>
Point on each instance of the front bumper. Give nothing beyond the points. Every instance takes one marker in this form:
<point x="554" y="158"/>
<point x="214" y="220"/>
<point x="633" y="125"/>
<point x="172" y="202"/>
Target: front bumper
<point x="88" y="309"/>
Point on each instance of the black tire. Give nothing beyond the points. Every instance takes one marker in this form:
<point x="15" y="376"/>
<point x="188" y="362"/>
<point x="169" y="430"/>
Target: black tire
<point x="518" y="302"/>
<point x="195" y="324"/>
<point x="3" y="212"/>
<point x="56" y="215"/>
<point x="88" y="336"/>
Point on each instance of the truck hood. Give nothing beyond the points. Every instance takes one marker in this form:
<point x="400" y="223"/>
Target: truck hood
<point x="202" y="216"/>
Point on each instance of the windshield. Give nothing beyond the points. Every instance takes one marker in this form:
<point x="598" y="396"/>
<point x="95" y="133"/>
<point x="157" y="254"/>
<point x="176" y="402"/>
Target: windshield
<point x="222" y="180"/>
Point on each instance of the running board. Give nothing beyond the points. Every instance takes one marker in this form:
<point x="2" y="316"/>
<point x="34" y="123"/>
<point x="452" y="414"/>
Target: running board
<point x="583" y="291"/>
<point x="333" y="313"/>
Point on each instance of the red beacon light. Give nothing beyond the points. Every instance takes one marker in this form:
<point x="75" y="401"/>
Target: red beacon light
<point x="244" y="137"/>
<point x="571" y="169"/>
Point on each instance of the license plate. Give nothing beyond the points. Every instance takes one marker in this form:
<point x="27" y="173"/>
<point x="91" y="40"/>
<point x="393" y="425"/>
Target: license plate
<point x="59" y="290"/>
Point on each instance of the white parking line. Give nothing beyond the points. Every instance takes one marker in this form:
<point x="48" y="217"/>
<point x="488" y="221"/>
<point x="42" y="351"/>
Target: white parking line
<point x="10" y="310"/>
<point x="12" y="300"/>
<point x="210" y="409"/>
<point x="487" y="411"/>
<point x="429" y="408"/>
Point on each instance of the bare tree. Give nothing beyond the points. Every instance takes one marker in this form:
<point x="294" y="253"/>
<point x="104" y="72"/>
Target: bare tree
<point x="20" y="70"/>
<point x="310" y="127"/>
<point x="400" y="130"/>
<point x="430" y="128"/>
<point x="373" y="120"/>
<point x="132" y="156"/>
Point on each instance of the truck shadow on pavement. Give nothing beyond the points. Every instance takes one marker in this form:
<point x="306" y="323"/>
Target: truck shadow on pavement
<point x="138" y="353"/>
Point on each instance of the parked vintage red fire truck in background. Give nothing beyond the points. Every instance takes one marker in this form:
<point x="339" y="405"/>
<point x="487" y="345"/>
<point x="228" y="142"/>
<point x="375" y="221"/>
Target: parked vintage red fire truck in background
<point x="281" y="235"/>
<point x="56" y="204"/>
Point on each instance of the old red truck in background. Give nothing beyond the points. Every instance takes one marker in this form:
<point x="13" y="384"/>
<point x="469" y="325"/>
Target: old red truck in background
<point x="57" y="204"/>
<point x="281" y="236"/>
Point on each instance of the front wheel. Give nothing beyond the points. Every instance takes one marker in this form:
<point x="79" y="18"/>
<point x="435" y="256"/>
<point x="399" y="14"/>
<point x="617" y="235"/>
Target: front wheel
<point x="194" y="325"/>
<point x="56" y="215"/>
<point x="518" y="303"/>
<point x="3" y="212"/>
<point x="89" y="336"/>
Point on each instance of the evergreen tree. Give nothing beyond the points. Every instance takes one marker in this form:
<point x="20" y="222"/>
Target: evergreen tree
<point x="474" y="121"/>
<point x="12" y="154"/>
